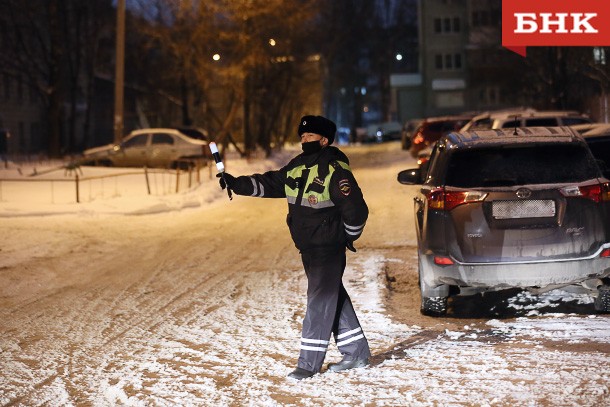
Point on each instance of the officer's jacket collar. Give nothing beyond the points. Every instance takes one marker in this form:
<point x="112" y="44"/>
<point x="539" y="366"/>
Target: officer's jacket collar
<point x="322" y="159"/>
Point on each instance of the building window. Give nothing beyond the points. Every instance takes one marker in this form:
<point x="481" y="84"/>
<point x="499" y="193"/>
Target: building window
<point x="480" y="18"/>
<point x="486" y="18"/>
<point x="448" y="62"/>
<point x="438" y="61"/>
<point x="457" y="61"/>
<point x="447" y="25"/>
<point x="438" y="27"/>
<point x="489" y="95"/>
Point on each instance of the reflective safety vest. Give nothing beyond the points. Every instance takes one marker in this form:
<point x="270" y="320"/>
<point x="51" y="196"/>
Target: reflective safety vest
<point x="315" y="193"/>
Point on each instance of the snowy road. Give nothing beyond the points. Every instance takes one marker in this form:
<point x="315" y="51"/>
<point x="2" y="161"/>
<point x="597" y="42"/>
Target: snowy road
<point x="203" y="306"/>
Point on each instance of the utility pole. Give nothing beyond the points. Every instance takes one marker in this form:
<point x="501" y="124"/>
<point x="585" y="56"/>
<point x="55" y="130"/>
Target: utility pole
<point x="119" y="71"/>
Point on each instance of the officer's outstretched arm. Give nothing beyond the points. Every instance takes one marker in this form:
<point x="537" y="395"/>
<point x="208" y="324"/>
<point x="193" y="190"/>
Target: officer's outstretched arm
<point x="267" y="185"/>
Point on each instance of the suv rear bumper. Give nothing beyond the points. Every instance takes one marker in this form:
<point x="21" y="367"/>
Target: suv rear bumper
<point x="514" y="274"/>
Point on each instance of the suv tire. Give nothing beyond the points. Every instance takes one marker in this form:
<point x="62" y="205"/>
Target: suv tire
<point x="434" y="306"/>
<point x="602" y="301"/>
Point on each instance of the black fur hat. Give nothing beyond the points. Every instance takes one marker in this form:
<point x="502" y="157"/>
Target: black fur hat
<point x="318" y="125"/>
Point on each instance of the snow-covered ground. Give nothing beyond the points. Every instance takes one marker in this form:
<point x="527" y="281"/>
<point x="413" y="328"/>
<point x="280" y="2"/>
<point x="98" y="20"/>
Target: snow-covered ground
<point x="191" y="299"/>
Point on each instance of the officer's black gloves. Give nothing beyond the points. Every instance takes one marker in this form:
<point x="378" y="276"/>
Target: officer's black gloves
<point x="350" y="246"/>
<point x="228" y="177"/>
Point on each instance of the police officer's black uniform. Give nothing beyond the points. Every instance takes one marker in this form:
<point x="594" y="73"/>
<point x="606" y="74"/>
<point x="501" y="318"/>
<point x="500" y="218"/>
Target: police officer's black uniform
<point x="326" y="213"/>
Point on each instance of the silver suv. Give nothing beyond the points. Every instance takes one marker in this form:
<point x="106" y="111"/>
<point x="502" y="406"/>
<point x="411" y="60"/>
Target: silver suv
<point x="500" y="209"/>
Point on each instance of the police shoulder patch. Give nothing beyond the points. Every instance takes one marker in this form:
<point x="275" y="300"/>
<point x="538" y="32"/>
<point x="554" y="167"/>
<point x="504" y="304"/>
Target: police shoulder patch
<point x="345" y="187"/>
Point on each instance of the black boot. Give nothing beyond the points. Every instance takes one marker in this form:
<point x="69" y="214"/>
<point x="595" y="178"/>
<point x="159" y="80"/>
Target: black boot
<point x="301" y="374"/>
<point x="348" y="364"/>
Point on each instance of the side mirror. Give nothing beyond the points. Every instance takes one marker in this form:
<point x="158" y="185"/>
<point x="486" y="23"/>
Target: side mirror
<point x="410" y="177"/>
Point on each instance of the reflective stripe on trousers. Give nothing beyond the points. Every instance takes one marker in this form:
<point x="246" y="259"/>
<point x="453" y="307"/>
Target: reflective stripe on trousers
<point x="329" y="311"/>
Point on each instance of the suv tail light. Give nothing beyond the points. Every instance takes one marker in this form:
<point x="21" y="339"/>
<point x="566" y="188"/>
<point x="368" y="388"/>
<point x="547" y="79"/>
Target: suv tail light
<point x="418" y="139"/>
<point x="597" y="193"/>
<point x="443" y="261"/>
<point x="447" y="200"/>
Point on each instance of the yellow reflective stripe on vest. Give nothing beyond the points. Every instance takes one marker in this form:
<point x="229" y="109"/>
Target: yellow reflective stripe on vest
<point x="312" y="199"/>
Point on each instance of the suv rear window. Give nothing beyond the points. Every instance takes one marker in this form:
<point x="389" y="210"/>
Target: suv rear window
<point x="540" y="164"/>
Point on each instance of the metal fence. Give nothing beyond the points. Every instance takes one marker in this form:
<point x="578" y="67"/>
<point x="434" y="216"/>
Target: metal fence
<point x="75" y="187"/>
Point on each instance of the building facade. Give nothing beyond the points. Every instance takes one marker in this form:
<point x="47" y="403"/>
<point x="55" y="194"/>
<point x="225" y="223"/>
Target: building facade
<point x="462" y="65"/>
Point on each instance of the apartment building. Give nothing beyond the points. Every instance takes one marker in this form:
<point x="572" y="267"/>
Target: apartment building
<point x="462" y="66"/>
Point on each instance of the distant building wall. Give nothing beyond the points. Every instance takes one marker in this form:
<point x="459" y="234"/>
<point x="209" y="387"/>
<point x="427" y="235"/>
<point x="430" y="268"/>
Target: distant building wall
<point x="22" y="115"/>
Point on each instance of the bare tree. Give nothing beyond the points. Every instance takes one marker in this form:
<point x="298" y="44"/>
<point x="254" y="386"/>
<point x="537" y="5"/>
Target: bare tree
<point x="261" y="60"/>
<point x="53" y="49"/>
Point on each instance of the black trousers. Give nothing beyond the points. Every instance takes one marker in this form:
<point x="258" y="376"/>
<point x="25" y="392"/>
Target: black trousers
<point x="329" y="310"/>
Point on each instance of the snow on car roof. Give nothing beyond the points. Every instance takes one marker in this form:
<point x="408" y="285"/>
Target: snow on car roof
<point x="513" y="136"/>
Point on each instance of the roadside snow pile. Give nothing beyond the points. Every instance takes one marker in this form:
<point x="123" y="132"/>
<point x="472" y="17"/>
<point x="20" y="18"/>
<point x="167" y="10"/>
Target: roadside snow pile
<point x="42" y="189"/>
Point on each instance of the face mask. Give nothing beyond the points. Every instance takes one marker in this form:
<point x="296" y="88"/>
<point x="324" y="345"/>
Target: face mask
<point x="311" y="147"/>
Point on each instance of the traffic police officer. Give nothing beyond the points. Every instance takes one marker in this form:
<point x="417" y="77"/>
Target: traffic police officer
<point x="326" y="214"/>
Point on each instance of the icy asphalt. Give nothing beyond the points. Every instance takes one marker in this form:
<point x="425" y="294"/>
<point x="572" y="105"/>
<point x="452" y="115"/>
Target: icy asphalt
<point x="189" y="299"/>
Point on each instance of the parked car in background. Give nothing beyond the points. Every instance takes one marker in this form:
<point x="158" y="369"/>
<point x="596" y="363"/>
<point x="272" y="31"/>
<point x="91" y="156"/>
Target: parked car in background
<point x="408" y="130"/>
<point x="524" y="118"/>
<point x="343" y="136"/>
<point x="423" y="161"/>
<point x="511" y="209"/>
<point x="433" y="128"/>
<point x="379" y="132"/>
<point x="168" y="148"/>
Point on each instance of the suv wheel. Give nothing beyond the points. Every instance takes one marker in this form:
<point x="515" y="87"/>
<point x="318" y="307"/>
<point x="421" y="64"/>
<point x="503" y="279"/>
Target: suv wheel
<point x="434" y="306"/>
<point x="602" y="301"/>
